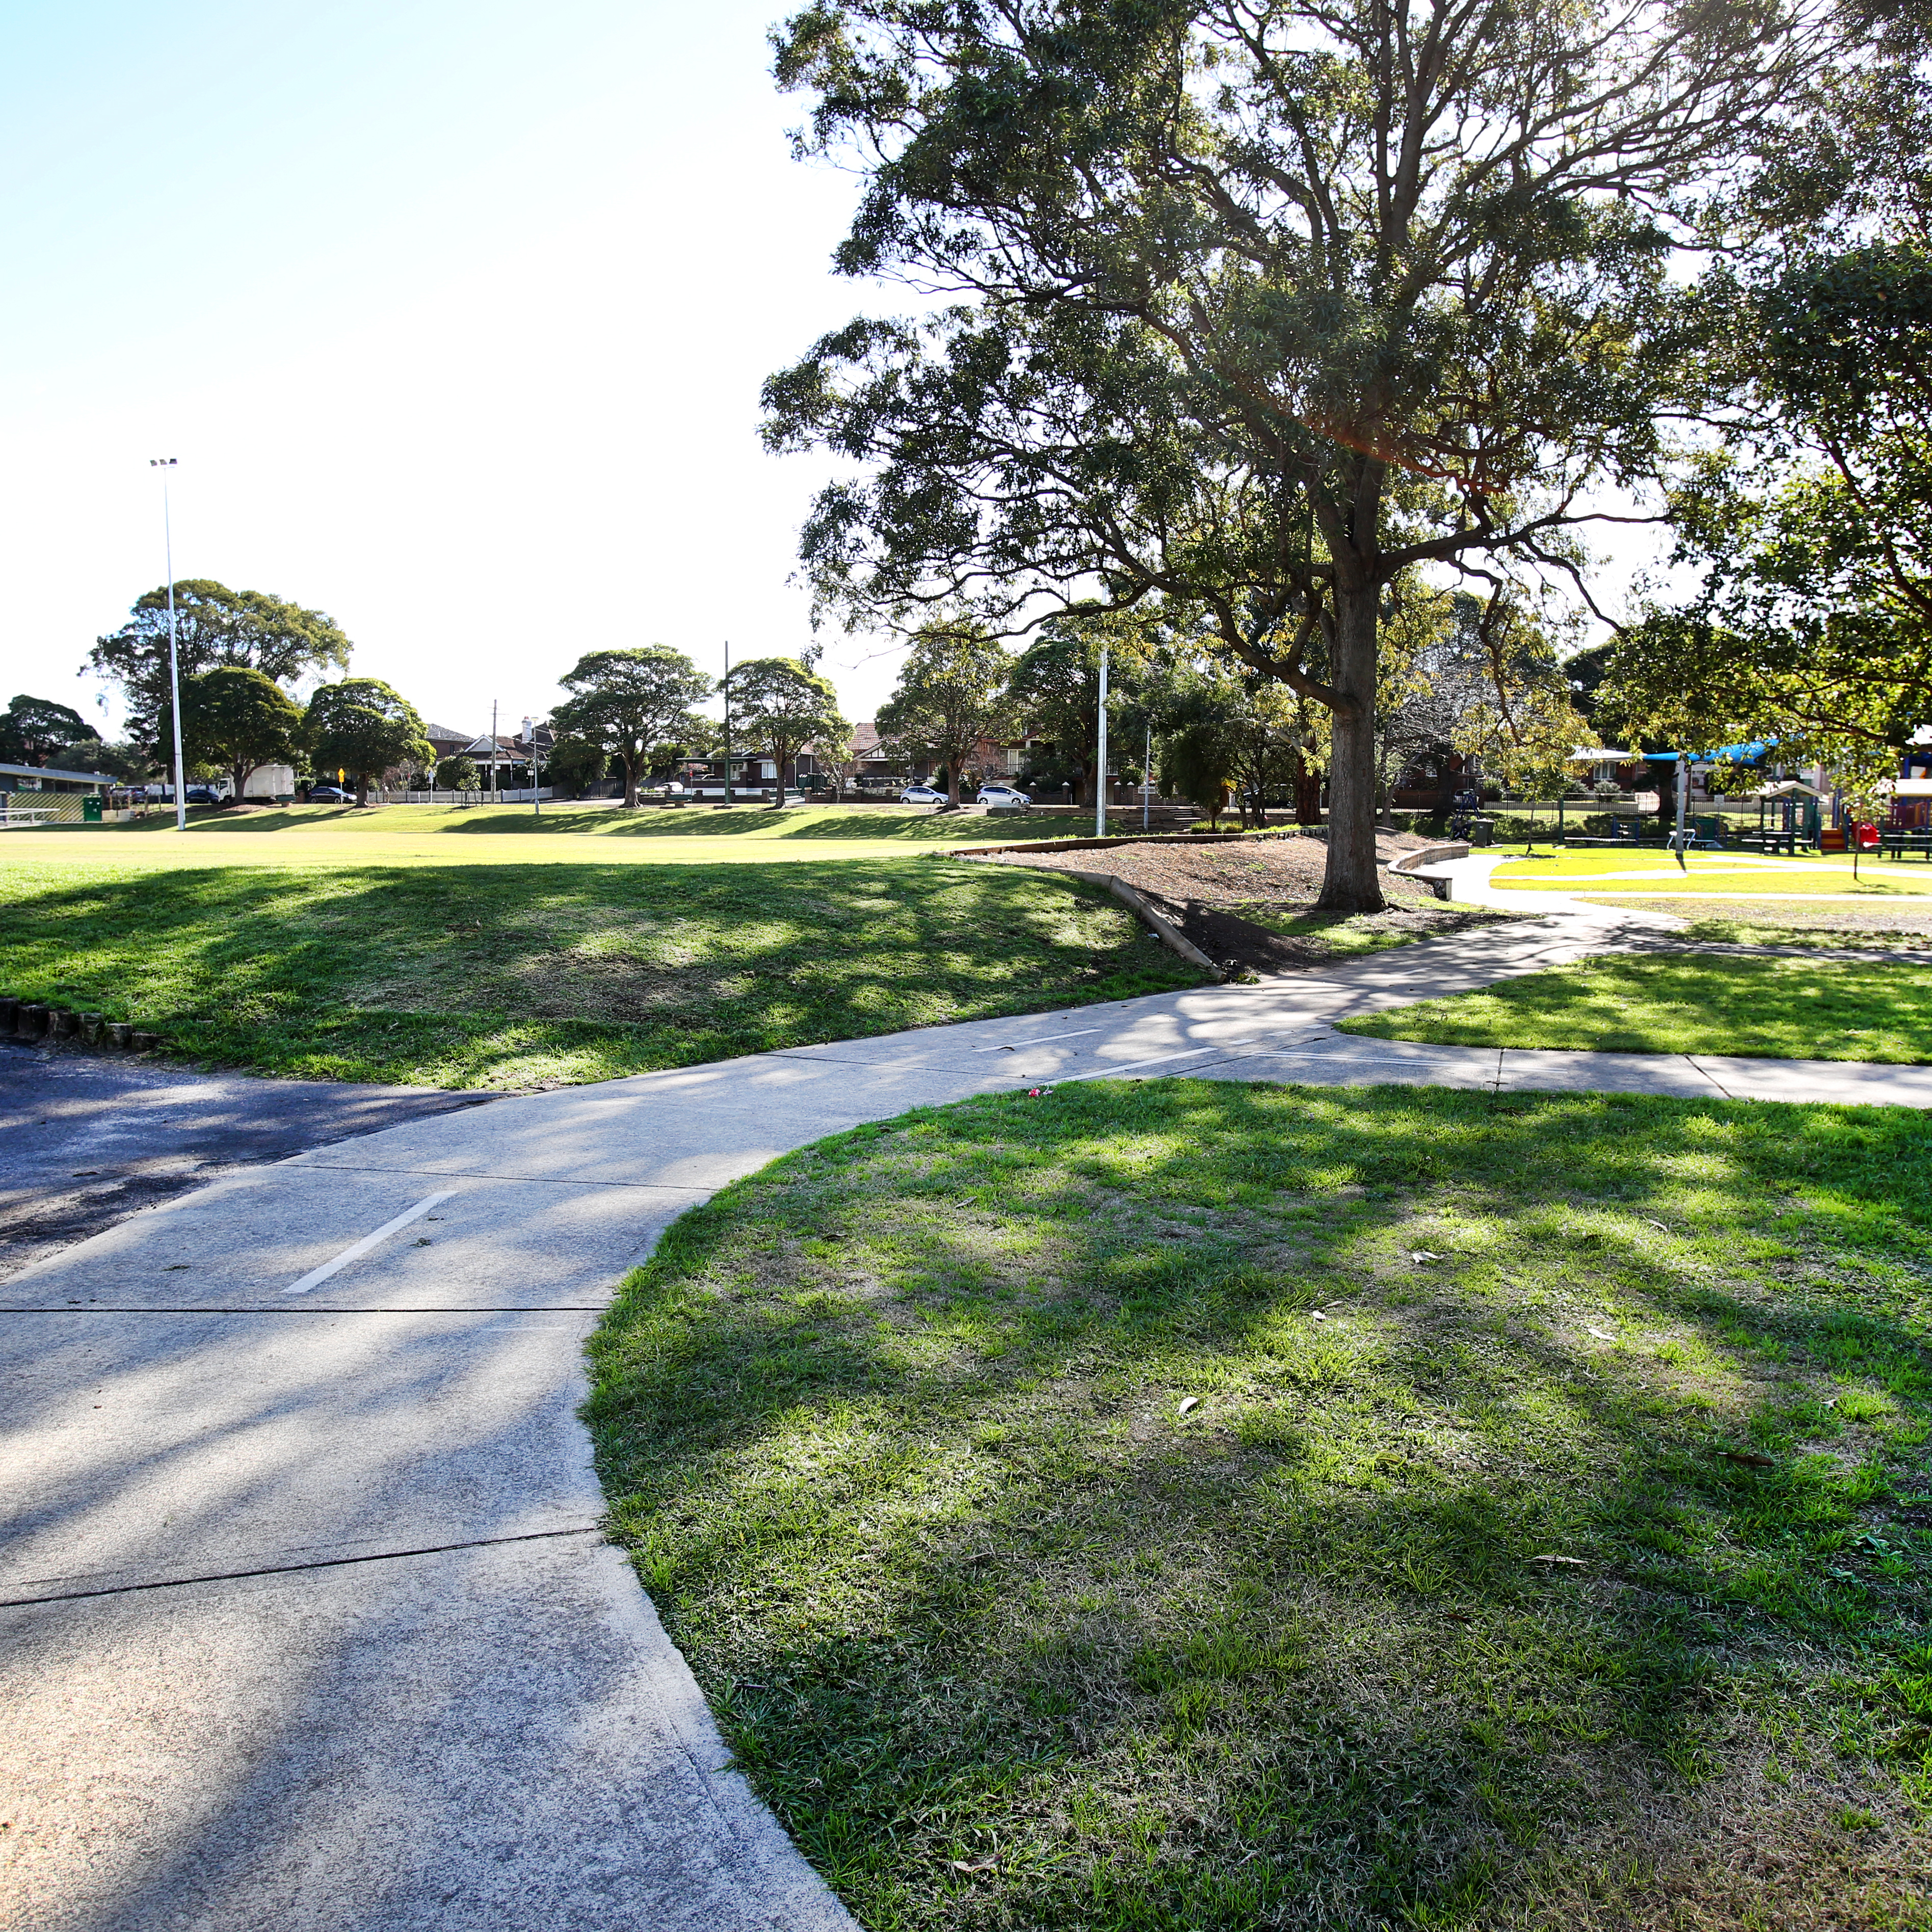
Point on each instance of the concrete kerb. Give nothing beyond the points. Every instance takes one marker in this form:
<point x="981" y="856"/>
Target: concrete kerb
<point x="1409" y="866"/>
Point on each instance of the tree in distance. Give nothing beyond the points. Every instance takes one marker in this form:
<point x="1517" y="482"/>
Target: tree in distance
<point x="781" y="705"/>
<point x="1812" y="528"/>
<point x="235" y="719"/>
<point x="576" y="764"/>
<point x="32" y="728"/>
<point x="1262" y="304"/>
<point x="624" y="701"/>
<point x="458" y="774"/>
<point x="363" y="727"/>
<point x="951" y="694"/>
<point x="215" y="627"/>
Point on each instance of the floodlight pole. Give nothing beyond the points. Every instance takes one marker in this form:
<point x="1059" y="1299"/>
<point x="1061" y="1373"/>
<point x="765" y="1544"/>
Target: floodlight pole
<point x="536" y="772"/>
<point x="727" y="721"/>
<point x="164" y="464"/>
<point x="1683" y="803"/>
<point x="1100" y="774"/>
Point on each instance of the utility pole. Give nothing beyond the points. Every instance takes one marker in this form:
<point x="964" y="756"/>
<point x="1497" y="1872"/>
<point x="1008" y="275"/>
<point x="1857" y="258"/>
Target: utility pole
<point x="164" y="464"/>
<point x="727" y="721"/>
<point x="1100" y="775"/>
<point x="495" y="790"/>
<point x="536" y="770"/>
<point x="1147" y="773"/>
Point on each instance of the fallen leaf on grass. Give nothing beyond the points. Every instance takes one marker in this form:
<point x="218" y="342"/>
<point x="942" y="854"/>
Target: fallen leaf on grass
<point x="1193" y="1402"/>
<point x="1750" y="1458"/>
<point x="1315" y="1314"/>
<point x="1423" y="1255"/>
<point x="1598" y="1333"/>
<point x="977" y="1865"/>
<point x="1655" y="1223"/>
<point x="1576" y="1562"/>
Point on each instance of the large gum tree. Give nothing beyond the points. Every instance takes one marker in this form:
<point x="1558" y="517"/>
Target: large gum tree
<point x="1254" y="306"/>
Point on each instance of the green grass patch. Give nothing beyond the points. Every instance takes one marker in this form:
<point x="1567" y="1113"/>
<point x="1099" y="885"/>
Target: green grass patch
<point x="521" y="974"/>
<point x="1786" y="1009"/>
<point x="1344" y="935"/>
<point x="1187" y="1505"/>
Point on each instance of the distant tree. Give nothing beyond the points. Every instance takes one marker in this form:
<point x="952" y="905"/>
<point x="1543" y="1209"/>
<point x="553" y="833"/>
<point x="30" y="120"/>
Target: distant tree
<point x="235" y="719"/>
<point x="780" y="704"/>
<point x="362" y="726"/>
<point x="31" y="727"/>
<point x="625" y="701"/>
<point x="215" y="627"/>
<point x="576" y="764"/>
<point x="952" y="694"/>
<point x="458" y="774"/>
<point x="129" y="763"/>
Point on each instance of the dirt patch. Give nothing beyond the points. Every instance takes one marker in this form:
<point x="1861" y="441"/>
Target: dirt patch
<point x="1252" y="906"/>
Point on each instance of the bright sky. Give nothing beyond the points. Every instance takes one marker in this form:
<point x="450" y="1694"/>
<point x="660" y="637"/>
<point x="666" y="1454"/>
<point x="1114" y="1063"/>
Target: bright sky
<point x="455" y="315"/>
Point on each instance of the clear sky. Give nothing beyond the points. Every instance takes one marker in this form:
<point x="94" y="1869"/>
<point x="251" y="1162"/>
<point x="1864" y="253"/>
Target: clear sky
<point x="454" y="315"/>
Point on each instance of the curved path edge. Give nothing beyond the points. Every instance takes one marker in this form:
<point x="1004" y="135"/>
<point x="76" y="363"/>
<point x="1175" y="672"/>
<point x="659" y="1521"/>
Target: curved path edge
<point x="305" y="1614"/>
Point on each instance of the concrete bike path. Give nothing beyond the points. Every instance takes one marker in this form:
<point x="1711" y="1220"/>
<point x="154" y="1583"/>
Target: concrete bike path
<point x="305" y="1618"/>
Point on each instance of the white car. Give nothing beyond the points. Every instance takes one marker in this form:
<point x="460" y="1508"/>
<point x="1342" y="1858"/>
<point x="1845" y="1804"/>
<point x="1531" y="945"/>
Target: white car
<point x="1002" y="794"/>
<point x="921" y="795"/>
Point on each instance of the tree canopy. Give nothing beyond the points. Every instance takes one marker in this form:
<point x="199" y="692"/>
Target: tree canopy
<point x="215" y="626"/>
<point x="951" y="694"/>
<point x="363" y="727"/>
<point x="626" y="701"/>
<point x="781" y="705"/>
<point x="1262" y="302"/>
<point x="1811" y="526"/>
<point x="238" y="719"/>
<point x="31" y="728"/>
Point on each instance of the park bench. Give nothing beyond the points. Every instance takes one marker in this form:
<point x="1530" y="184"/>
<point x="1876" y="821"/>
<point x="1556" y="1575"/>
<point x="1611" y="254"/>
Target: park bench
<point x="1905" y="845"/>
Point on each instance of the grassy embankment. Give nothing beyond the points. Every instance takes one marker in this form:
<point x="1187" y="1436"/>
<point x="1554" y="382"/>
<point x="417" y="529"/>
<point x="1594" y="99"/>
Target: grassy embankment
<point x="1190" y="1505"/>
<point x="421" y="945"/>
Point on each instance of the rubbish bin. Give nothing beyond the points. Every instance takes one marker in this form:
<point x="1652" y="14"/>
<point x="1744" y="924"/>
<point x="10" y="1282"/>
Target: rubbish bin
<point x="1482" y="831"/>
<point x="90" y="809"/>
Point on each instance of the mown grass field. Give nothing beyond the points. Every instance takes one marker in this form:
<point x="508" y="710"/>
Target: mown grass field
<point x="1801" y="1008"/>
<point x="1610" y="876"/>
<point x="483" y="959"/>
<point x="1189" y="1505"/>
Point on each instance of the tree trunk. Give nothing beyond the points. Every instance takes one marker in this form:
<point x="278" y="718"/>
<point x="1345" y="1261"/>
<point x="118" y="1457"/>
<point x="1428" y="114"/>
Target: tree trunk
<point x="1307" y="793"/>
<point x="630" y="781"/>
<point x="362" y="790"/>
<point x="1352" y="882"/>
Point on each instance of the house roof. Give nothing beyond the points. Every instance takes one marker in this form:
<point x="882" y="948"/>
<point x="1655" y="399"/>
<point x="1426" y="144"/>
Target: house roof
<point x="443" y="734"/>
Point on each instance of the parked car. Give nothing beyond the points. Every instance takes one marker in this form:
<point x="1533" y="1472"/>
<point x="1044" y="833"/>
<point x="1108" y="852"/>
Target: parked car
<point x="330" y="794"/>
<point x="202" y="795"/>
<point x="666" y="788"/>
<point x="1003" y="794"/>
<point x="921" y="795"/>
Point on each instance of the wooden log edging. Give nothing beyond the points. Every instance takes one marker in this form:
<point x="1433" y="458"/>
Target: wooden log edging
<point x="1157" y="923"/>
<point x="31" y="1020"/>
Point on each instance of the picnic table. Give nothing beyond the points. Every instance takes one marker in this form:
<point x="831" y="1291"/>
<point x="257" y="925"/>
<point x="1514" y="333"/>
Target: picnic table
<point x="1905" y="845"/>
<point x="1774" y="841"/>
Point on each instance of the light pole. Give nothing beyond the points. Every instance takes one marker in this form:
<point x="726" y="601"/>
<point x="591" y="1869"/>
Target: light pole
<point x="536" y="770"/>
<point x="1100" y="775"/>
<point x="1147" y="773"/>
<point x="164" y="464"/>
<point x="727" y="721"/>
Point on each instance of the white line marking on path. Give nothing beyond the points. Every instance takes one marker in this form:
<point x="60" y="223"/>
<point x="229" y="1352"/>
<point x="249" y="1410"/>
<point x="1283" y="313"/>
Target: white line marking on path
<point x="317" y="1276"/>
<point x="1037" y="1040"/>
<point x="1128" y="1066"/>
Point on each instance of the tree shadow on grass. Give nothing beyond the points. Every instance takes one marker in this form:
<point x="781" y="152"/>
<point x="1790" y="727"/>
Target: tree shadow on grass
<point x="1184" y="1504"/>
<point x="472" y="975"/>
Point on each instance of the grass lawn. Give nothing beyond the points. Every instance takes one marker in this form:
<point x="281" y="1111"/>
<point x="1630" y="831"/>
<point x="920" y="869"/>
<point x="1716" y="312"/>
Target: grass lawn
<point x="1190" y="1505"/>
<point x="1342" y="935"/>
<point x="1805" y="1009"/>
<point x="1611" y="876"/>
<point x="480" y="969"/>
<point x="329" y="835"/>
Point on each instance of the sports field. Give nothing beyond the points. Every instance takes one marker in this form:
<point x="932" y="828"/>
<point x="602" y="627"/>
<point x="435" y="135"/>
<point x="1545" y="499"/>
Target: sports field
<point x="424" y="945"/>
<point x="1612" y="876"/>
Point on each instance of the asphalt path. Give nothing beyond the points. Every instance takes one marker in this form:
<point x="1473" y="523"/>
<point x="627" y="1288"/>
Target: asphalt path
<point x="86" y="1140"/>
<point x="306" y="1618"/>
